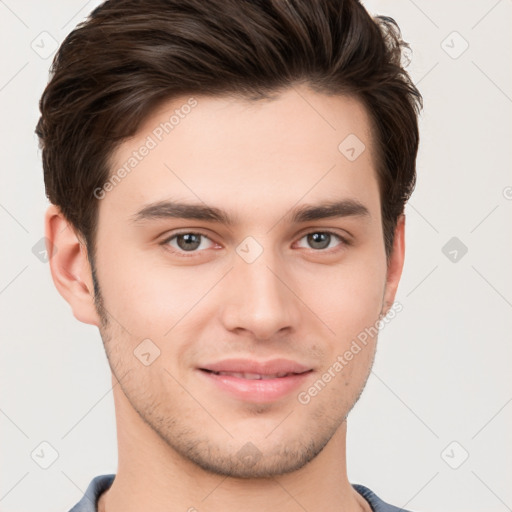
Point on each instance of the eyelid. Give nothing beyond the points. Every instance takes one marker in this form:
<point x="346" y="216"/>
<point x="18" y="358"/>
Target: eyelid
<point x="340" y="233"/>
<point x="175" y="234"/>
<point x="344" y="239"/>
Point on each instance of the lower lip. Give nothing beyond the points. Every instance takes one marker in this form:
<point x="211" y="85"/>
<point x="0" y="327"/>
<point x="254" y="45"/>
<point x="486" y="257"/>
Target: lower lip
<point x="257" y="390"/>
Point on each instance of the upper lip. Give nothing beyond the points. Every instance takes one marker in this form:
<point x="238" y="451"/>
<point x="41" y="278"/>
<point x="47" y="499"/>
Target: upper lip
<point x="274" y="366"/>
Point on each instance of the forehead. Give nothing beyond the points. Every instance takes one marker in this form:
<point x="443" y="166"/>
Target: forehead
<point x="225" y="151"/>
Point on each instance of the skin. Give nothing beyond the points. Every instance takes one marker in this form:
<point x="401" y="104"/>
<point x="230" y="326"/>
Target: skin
<point x="179" y="436"/>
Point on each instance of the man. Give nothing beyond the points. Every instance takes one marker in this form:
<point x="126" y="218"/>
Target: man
<point x="277" y="140"/>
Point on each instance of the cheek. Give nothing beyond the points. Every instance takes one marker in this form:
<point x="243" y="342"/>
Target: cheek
<point x="148" y="296"/>
<point x="349" y="298"/>
<point x="144" y="291"/>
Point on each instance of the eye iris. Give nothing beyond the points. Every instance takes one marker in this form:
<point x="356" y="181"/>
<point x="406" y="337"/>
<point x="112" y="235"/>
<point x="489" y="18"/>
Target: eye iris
<point x="185" y="239"/>
<point x="318" y="240"/>
<point x="191" y="241"/>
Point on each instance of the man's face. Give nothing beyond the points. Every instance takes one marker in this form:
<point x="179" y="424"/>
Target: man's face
<point x="198" y="293"/>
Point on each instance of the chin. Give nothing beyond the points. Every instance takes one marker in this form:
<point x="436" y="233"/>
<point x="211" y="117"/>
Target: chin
<point x="251" y="462"/>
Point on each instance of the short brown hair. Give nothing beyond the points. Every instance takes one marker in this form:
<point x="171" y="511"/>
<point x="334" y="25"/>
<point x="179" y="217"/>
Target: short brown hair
<point x="129" y="56"/>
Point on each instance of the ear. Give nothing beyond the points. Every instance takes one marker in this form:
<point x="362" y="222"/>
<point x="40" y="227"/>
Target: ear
<point x="69" y="265"/>
<point x="395" y="265"/>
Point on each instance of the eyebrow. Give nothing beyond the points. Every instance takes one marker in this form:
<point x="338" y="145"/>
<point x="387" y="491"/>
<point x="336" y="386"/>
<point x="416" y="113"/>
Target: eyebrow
<point x="201" y="211"/>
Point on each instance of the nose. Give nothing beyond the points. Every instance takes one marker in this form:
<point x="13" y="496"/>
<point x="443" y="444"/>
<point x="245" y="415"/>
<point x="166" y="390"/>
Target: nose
<point x="259" y="298"/>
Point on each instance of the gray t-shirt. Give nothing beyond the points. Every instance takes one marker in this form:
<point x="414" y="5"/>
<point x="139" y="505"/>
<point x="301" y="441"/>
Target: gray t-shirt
<point x="101" y="483"/>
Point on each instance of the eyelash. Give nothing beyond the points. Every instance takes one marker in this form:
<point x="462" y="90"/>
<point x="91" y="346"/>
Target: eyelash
<point x="184" y="254"/>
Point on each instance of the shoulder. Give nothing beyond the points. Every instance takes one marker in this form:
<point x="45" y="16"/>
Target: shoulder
<point x="98" y="485"/>
<point x="375" y="502"/>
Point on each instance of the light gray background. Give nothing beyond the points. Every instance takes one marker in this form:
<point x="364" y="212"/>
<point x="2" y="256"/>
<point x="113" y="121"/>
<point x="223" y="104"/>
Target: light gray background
<point x="442" y="372"/>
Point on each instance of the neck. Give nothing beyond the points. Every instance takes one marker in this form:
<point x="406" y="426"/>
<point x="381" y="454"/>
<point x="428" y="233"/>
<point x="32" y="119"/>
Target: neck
<point x="152" y="476"/>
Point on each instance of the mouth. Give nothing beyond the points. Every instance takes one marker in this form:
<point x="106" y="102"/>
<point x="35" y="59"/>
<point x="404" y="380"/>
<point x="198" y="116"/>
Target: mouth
<point x="252" y="381"/>
<point x="255" y="376"/>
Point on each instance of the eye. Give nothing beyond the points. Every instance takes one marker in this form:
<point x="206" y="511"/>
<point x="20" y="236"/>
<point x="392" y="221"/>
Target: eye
<point x="322" y="240"/>
<point x="194" y="242"/>
<point x="186" y="242"/>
